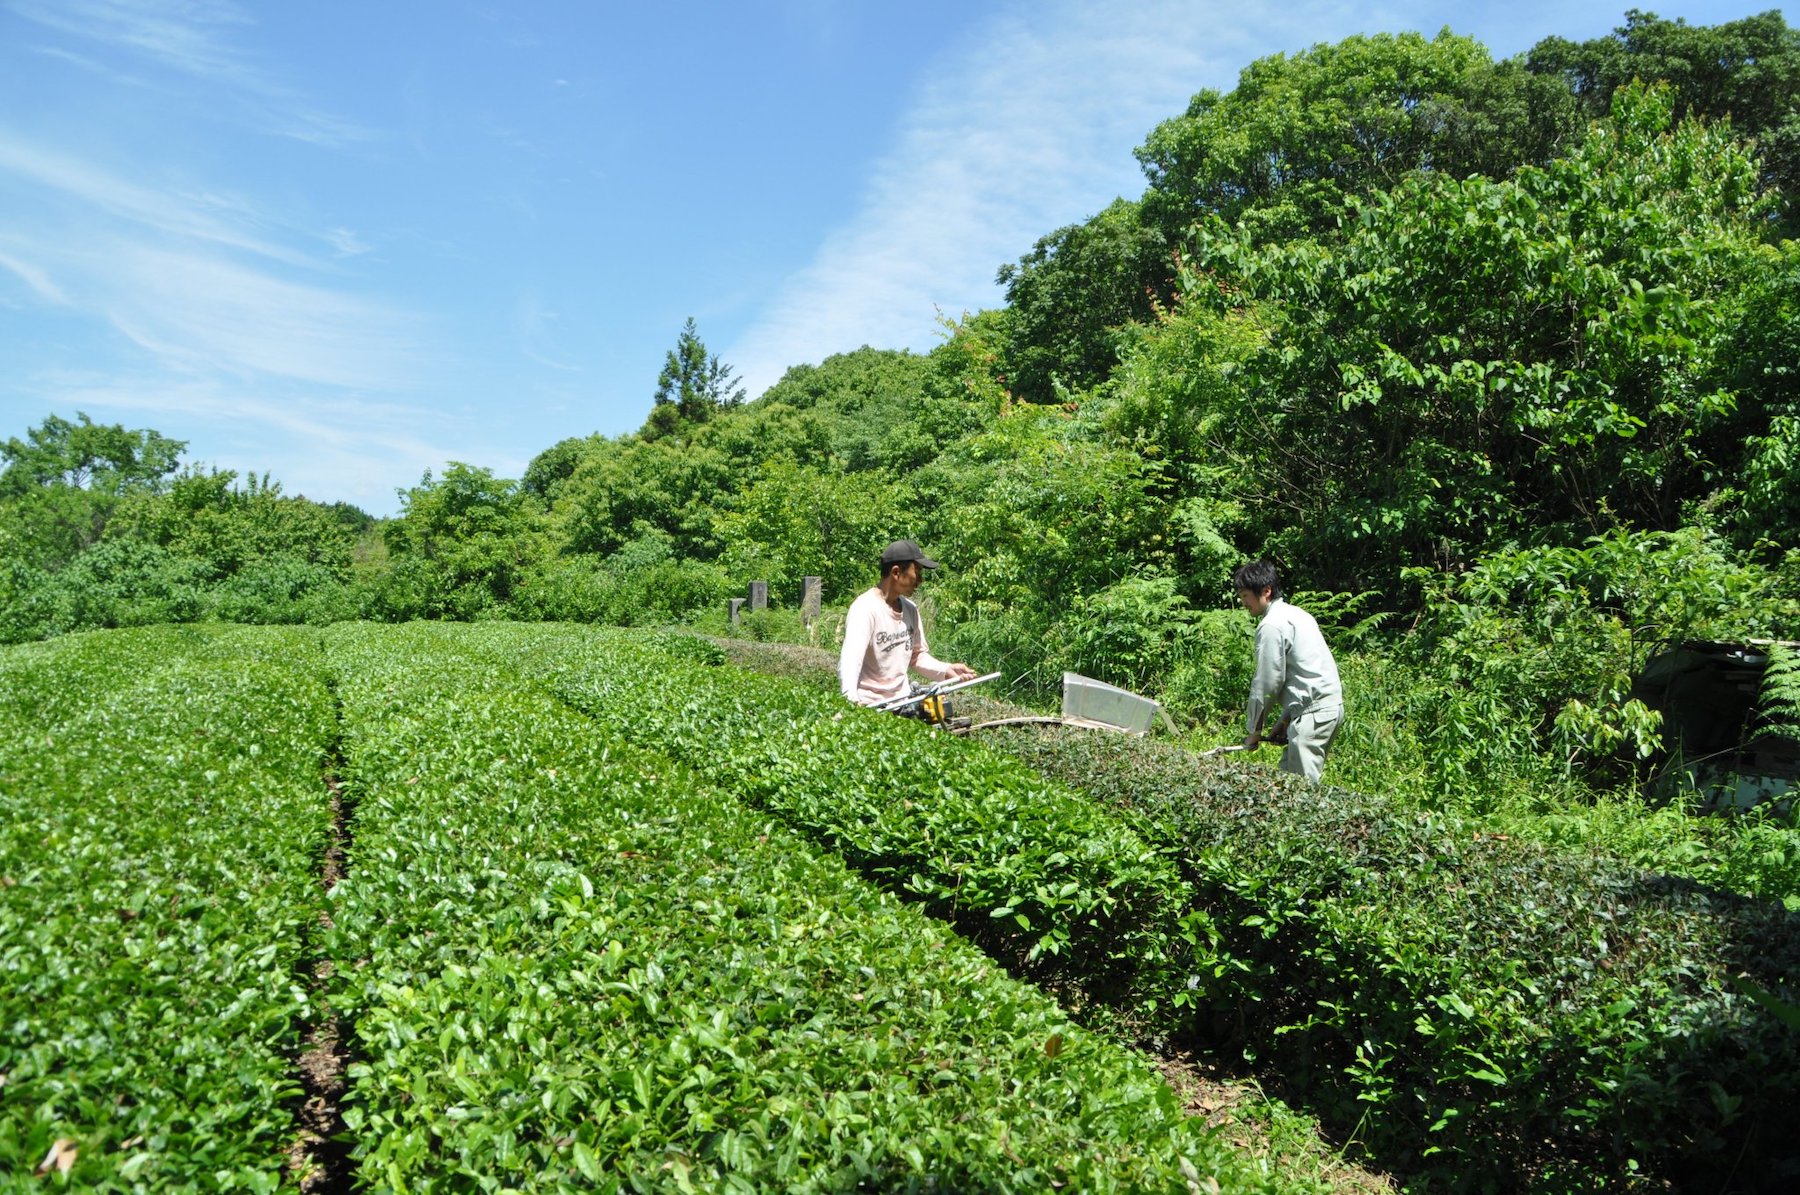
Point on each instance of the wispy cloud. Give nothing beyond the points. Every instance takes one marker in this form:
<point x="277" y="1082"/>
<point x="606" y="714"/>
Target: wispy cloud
<point x="203" y="280"/>
<point x="184" y="37"/>
<point x="536" y="329"/>
<point x="192" y="39"/>
<point x="36" y="278"/>
<point x="201" y="312"/>
<point x="92" y="65"/>
<point x="1025" y="129"/>
<point x="341" y="448"/>
<point x="345" y="242"/>
<point x="168" y="211"/>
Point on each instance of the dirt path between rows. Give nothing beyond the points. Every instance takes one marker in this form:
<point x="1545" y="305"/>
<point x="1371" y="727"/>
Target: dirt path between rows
<point x="319" y="1159"/>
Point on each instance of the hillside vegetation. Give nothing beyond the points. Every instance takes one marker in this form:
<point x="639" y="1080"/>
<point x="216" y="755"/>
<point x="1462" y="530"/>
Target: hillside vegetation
<point x="1499" y="360"/>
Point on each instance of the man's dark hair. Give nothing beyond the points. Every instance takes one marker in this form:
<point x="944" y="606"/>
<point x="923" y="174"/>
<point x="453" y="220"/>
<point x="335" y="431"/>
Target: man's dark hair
<point x="1257" y="576"/>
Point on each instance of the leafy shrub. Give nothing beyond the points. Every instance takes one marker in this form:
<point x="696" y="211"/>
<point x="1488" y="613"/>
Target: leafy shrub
<point x="1210" y="667"/>
<point x="999" y="640"/>
<point x="1124" y="634"/>
<point x="411" y="587"/>
<point x="668" y="590"/>
<point x="1030" y="870"/>
<point x="25" y="611"/>
<point x="620" y="590"/>
<point x="283" y="589"/>
<point x="771" y="626"/>
<point x="572" y="590"/>
<point x="126" y="583"/>
<point x="1528" y="659"/>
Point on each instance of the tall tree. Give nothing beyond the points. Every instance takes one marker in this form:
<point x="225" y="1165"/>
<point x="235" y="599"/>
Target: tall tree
<point x="1069" y="295"/>
<point x="692" y="386"/>
<point x="1532" y="360"/>
<point x="867" y="405"/>
<point x="1748" y="70"/>
<point x="63" y="482"/>
<point x="475" y="533"/>
<point x="553" y="466"/>
<point x="85" y="455"/>
<point x="1302" y="134"/>
<point x="1283" y="154"/>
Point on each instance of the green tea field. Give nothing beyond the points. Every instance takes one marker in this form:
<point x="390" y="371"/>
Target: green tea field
<point x="557" y="958"/>
<point x="532" y="907"/>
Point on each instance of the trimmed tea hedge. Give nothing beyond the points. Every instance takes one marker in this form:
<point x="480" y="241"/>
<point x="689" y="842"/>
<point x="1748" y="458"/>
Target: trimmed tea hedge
<point x="1489" y="1014"/>
<point x="161" y="814"/>
<point x="1033" y="872"/>
<point x="1506" y="1015"/>
<point x="570" y="965"/>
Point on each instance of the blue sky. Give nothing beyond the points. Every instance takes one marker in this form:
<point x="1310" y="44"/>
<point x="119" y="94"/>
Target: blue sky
<point x="346" y="242"/>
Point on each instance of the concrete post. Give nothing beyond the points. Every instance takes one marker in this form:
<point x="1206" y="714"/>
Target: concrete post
<point x="737" y="607"/>
<point x="759" y="595"/>
<point x="811" y="599"/>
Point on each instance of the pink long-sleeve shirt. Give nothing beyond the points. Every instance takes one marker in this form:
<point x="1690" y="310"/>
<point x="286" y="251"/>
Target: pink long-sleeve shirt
<point x="880" y="645"/>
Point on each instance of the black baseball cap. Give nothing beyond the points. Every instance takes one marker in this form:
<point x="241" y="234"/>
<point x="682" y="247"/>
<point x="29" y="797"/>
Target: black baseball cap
<point x="905" y="551"/>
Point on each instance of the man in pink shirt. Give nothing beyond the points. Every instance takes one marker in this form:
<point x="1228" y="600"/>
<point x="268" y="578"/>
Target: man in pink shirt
<point x="882" y="636"/>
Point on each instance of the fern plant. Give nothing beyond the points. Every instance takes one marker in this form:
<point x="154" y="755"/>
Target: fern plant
<point x="1779" y="700"/>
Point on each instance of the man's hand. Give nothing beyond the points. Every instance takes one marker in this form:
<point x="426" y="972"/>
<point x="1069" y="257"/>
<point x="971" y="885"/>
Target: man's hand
<point x="1252" y="741"/>
<point x="961" y="672"/>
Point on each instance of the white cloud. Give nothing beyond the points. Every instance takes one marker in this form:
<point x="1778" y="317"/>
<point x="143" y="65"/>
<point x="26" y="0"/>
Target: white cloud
<point x="1024" y="130"/>
<point x="330" y="449"/>
<point x="345" y="242"/>
<point x="537" y="330"/>
<point x="184" y="38"/>
<point x="37" y="278"/>
<point x="193" y="39"/>
<point x="203" y="313"/>
<point x="205" y="218"/>
<point x="204" y="280"/>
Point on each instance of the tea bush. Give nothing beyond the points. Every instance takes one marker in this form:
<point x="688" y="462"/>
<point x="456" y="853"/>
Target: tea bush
<point x="1505" y="1015"/>
<point x="161" y="814"/>
<point x="572" y="964"/>
<point x="1493" y="1012"/>
<point x="1031" y="870"/>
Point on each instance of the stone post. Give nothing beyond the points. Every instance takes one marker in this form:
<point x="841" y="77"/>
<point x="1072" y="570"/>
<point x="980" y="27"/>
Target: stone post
<point x="737" y="607"/>
<point x="811" y="599"/>
<point x="759" y="595"/>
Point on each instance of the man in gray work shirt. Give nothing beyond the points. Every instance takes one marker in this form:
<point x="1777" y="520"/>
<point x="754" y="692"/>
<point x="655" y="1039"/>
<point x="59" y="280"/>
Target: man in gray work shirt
<point x="1295" y="674"/>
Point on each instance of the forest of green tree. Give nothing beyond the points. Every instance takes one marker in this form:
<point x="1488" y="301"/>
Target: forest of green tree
<point x="1498" y="360"/>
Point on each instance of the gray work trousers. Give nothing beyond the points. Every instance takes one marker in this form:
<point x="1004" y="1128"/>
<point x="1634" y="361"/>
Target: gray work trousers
<point x="1308" y="737"/>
